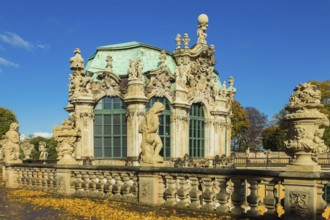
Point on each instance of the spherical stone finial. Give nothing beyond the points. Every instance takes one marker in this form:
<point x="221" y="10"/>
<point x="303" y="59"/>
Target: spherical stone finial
<point x="203" y="19"/>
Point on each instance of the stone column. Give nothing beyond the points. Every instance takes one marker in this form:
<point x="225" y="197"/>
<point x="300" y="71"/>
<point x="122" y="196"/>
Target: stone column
<point x="84" y="116"/>
<point x="209" y="137"/>
<point x="136" y="101"/>
<point x="179" y="130"/>
<point x="219" y="133"/>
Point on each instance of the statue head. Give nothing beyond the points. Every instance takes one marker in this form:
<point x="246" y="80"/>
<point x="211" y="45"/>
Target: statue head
<point x="14" y="126"/>
<point x="157" y="108"/>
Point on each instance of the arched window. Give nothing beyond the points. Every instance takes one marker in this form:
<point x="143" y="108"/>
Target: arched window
<point x="164" y="130"/>
<point x="110" y="131"/>
<point x="196" y="131"/>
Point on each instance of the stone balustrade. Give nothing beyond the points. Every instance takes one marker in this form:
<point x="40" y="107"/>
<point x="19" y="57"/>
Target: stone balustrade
<point x="230" y="191"/>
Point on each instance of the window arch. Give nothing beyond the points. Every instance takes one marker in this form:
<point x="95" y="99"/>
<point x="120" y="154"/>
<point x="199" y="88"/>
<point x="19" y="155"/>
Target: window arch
<point x="164" y="130"/>
<point x="110" y="129"/>
<point x="196" y="131"/>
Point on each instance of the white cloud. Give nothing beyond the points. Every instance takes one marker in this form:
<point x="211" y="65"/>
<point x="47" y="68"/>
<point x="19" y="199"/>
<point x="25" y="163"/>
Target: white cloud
<point x="42" y="134"/>
<point x="17" y="41"/>
<point x="5" y="62"/>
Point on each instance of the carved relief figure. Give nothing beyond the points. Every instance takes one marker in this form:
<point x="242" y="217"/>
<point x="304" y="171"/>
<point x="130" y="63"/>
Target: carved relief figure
<point x="132" y="70"/>
<point x="151" y="142"/>
<point x="12" y="143"/>
<point x="43" y="151"/>
<point x="27" y="148"/>
<point x="108" y="67"/>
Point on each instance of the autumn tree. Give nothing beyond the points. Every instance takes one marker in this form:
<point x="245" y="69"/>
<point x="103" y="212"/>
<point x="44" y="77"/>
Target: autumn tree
<point x="240" y="123"/>
<point x="258" y="121"/>
<point x="6" y="118"/>
<point x="273" y="138"/>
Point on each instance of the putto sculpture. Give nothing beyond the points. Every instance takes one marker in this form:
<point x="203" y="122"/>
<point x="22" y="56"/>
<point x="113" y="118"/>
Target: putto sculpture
<point x="43" y="151"/>
<point x="12" y="142"/>
<point x="151" y="143"/>
<point x="305" y="125"/>
<point x="27" y="148"/>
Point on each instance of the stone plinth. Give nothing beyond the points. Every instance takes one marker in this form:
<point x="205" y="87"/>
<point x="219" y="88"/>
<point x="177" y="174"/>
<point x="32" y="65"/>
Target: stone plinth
<point x="148" y="189"/>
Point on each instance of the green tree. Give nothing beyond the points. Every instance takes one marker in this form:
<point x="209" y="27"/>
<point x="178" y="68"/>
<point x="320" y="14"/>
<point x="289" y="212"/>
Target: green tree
<point x="273" y="138"/>
<point x="50" y="145"/>
<point x="240" y="122"/>
<point x="6" y="118"/>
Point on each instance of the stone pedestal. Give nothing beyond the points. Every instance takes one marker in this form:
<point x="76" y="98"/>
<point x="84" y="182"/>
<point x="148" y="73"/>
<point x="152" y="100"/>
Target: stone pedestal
<point x="148" y="189"/>
<point x="300" y="200"/>
<point x="10" y="177"/>
<point x="63" y="179"/>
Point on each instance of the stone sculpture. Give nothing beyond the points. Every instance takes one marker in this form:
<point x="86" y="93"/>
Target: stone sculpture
<point x="202" y="26"/>
<point x="178" y="41"/>
<point x="43" y="151"/>
<point x="185" y="41"/>
<point x="305" y="125"/>
<point x="27" y="148"/>
<point x="66" y="135"/>
<point x="108" y="67"/>
<point x="151" y="142"/>
<point x="135" y="69"/>
<point x="11" y="149"/>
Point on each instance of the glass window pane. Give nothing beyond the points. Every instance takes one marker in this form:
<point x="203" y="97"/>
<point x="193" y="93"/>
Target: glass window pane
<point x="124" y="152"/>
<point x="97" y="152"/>
<point x="116" y="129"/>
<point x="107" y="142"/>
<point x="107" y="130"/>
<point x="107" y="152"/>
<point x="116" y="142"/>
<point x="116" y="151"/>
<point x="107" y="119"/>
<point x="97" y="142"/>
<point x="98" y="119"/>
<point x="124" y="142"/>
<point x="99" y="105"/>
<point x="107" y="105"/>
<point x="97" y="130"/>
<point x="116" y="119"/>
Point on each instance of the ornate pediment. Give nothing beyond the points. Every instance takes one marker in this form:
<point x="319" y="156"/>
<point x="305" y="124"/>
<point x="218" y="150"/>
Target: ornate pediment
<point x="160" y="80"/>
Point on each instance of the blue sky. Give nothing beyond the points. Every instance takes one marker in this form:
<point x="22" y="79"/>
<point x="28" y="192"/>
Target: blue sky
<point x="268" y="46"/>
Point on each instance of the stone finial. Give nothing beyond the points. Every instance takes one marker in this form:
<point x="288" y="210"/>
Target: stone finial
<point x="77" y="62"/>
<point x="186" y="40"/>
<point x="108" y="67"/>
<point x="151" y="143"/>
<point x="202" y="27"/>
<point x="178" y="41"/>
<point x="305" y="125"/>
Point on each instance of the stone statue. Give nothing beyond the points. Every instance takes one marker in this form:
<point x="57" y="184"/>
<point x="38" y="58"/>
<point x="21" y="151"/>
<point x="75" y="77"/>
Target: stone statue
<point x="162" y="59"/>
<point x="186" y="40"/>
<point x="202" y="27"/>
<point x="178" y="41"/>
<point x="27" y="148"/>
<point x="305" y="125"/>
<point x="12" y="148"/>
<point x="108" y="67"/>
<point x="43" y="151"/>
<point x="132" y="70"/>
<point x="151" y="142"/>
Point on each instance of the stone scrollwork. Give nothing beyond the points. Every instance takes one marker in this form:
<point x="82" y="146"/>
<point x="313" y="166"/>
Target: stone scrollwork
<point x="298" y="204"/>
<point x="66" y="135"/>
<point x="159" y="81"/>
<point x="146" y="189"/>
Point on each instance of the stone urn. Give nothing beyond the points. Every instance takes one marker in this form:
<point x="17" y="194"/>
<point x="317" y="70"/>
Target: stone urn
<point x="305" y="124"/>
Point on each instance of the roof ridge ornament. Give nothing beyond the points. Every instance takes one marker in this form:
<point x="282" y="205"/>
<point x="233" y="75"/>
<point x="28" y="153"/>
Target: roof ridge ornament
<point x="77" y="62"/>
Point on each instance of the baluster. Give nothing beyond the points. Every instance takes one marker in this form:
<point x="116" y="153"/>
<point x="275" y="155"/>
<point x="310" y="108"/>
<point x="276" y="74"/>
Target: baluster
<point x="108" y="185"/>
<point x="117" y="186"/>
<point x="100" y="184"/>
<point x="170" y="191"/>
<point x="45" y="180"/>
<point x="86" y="181"/>
<point x="223" y="196"/>
<point x="237" y="197"/>
<point x="126" y="186"/>
<point x="195" y="193"/>
<point x="39" y="178"/>
<point x="253" y="198"/>
<point x="78" y="183"/>
<point x="279" y="191"/>
<point x="34" y="178"/>
<point x="134" y="187"/>
<point x="183" y="192"/>
<point x="24" y="177"/>
<point x="29" y="174"/>
<point x="161" y="190"/>
<point x="19" y="176"/>
<point x="321" y="203"/>
<point x="270" y="200"/>
<point x="93" y="183"/>
<point x="208" y="195"/>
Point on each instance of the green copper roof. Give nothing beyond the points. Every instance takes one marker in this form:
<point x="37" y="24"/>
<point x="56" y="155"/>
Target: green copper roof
<point x="123" y="53"/>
